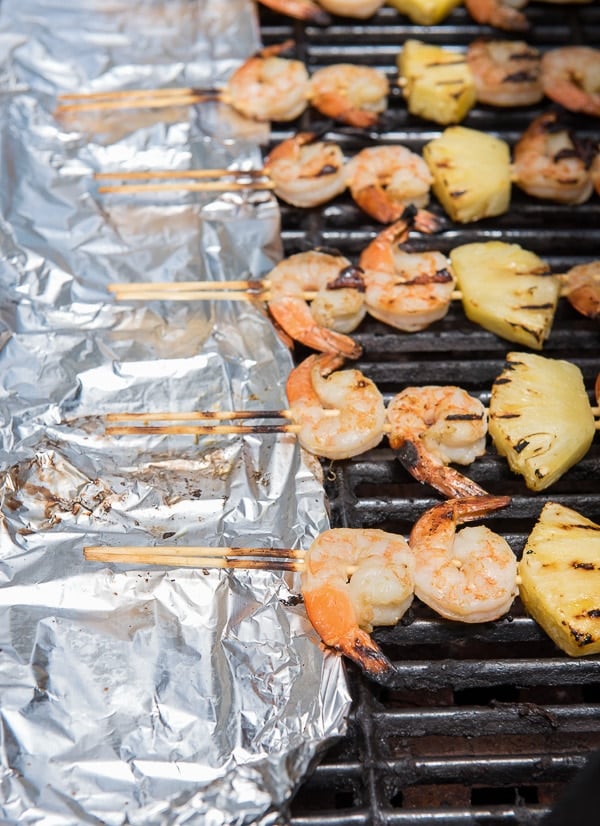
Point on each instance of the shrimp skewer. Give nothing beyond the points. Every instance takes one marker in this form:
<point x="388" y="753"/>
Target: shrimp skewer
<point x="355" y="95"/>
<point x="311" y="12"/>
<point x="571" y="76"/>
<point x="408" y="291"/>
<point x="343" y="609"/>
<point x="301" y="170"/>
<point x="469" y="575"/>
<point x="549" y="163"/>
<point x="338" y="306"/>
<point x="503" y="14"/>
<point x="506" y="72"/>
<point x="434" y="425"/>
<point x="315" y="387"/>
<point x="334" y="413"/>
<point x="583" y="288"/>
<point x="384" y="180"/>
<point x="266" y="87"/>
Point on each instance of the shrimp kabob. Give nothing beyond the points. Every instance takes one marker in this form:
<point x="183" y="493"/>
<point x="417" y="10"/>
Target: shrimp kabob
<point x="353" y="580"/>
<point x="267" y="87"/>
<point x="356" y="579"/>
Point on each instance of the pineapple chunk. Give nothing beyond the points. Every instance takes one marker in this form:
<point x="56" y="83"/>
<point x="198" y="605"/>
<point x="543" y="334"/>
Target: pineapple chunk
<point x="507" y="290"/>
<point x="425" y="12"/>
<point x="438" y="84"/>
<point x="540" y="417"/>
<point x="560" y="578"/>
<point x="471" y="173"/>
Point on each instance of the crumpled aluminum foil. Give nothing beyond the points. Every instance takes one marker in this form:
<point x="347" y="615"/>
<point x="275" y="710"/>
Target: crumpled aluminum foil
<point x="127" y="694"/>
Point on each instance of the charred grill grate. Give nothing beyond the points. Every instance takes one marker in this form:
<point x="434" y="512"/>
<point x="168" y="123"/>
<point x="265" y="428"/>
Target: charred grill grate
<point x="493" y="720"/>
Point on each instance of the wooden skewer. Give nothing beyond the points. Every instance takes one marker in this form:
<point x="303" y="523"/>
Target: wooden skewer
<point x="199" y="414"/>
<point x="276" y="559"/>
<point x="198" y="291"/>
<point x="139" y="99"/>
<point x="117" y="94"/>
<point x="203" y="429"/>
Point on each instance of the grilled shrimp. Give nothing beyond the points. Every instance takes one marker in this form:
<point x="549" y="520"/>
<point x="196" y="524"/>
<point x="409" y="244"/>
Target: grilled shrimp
<point x="354" y="580"/>
<point x="582" y="288"/>
<point x="299" y="9"/>
<point x="352" y="94"/>
<point x="571" y="77"/>
<point x="407" y="290"/>
<point x="549" y="163"/>
<point x="434" y="425"/>
<point x="338" y="306"/>
<point x="306" y="172"/>
<point x="384" y="180"/>
<point x="313" y="387"/>
<point x="506" y="72"/>
<point x="502" y="14"/>
<point x="268" y="87"/>
<point x="469" y="575"/>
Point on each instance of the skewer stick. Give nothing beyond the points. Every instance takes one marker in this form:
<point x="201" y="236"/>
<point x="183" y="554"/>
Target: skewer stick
<point x="197" y="291"/>
<point x="200" y="430"/>
<point x="188" y="186"/>
<point x="276" y="559"/>
<point x="137" y="98"/>
<point x="200" y="414"/>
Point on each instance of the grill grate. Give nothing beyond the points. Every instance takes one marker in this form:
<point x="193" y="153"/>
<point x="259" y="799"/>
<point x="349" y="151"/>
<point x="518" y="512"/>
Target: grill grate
<point x="492" y="721"/>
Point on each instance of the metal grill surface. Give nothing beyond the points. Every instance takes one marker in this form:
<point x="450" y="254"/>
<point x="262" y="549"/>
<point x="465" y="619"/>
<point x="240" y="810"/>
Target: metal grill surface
<point x="493" y="720"/>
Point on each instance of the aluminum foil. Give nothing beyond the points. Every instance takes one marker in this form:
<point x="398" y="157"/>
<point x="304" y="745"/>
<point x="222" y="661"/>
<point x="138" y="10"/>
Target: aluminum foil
<point x="127" y="694"/>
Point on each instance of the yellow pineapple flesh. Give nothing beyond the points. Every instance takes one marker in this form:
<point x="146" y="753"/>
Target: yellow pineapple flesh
<point x="437" y="83"/>
<point x="560" y="578"/>
<point x="424" y="12"/>
<point x="507" y="290"/>
<point x="471" y="173"/>
<point x="540" y="417"/>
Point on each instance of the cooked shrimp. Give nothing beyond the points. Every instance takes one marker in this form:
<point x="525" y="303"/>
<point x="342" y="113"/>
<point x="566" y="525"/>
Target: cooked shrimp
<point x="313" y="387"/>
<point x="352" y="8"/>
<point x="506" y="72"/>
<point x="469" y="575"/>
<point x="353" y="94"/>
<point x="306" y="172"/>
<point x="503" y="14"/>
<point x="383" y="180"/>
<point x="268" y="87"/>
<point x="434" y="425"/>
<point x="549" y="163"/>
<point x="355" y="579"/>
<point x="339" y="302"/>
<point x="407" y="290"/>
<point x="571" y="77"/>
<point x="582" y="288"/>
<point x="299" y="9"/>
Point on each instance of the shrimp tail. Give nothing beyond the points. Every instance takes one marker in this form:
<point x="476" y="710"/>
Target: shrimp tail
<point x="447" y="480"/>
<point x="295" y="318"/>
<point x="364" y="651"/>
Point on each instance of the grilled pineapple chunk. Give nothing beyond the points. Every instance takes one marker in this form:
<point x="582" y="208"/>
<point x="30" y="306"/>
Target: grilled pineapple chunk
<point x="437" y="83"/>
<point x="540" y="417"/>
<point x="424" y="12"/>
<point x="560" y="578"/>
<point x="507" y="290"/>
<point x="471" y="173"/>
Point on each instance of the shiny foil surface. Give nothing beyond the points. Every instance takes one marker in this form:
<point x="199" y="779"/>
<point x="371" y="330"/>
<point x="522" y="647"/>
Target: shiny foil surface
<point x="131" y="694"/>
